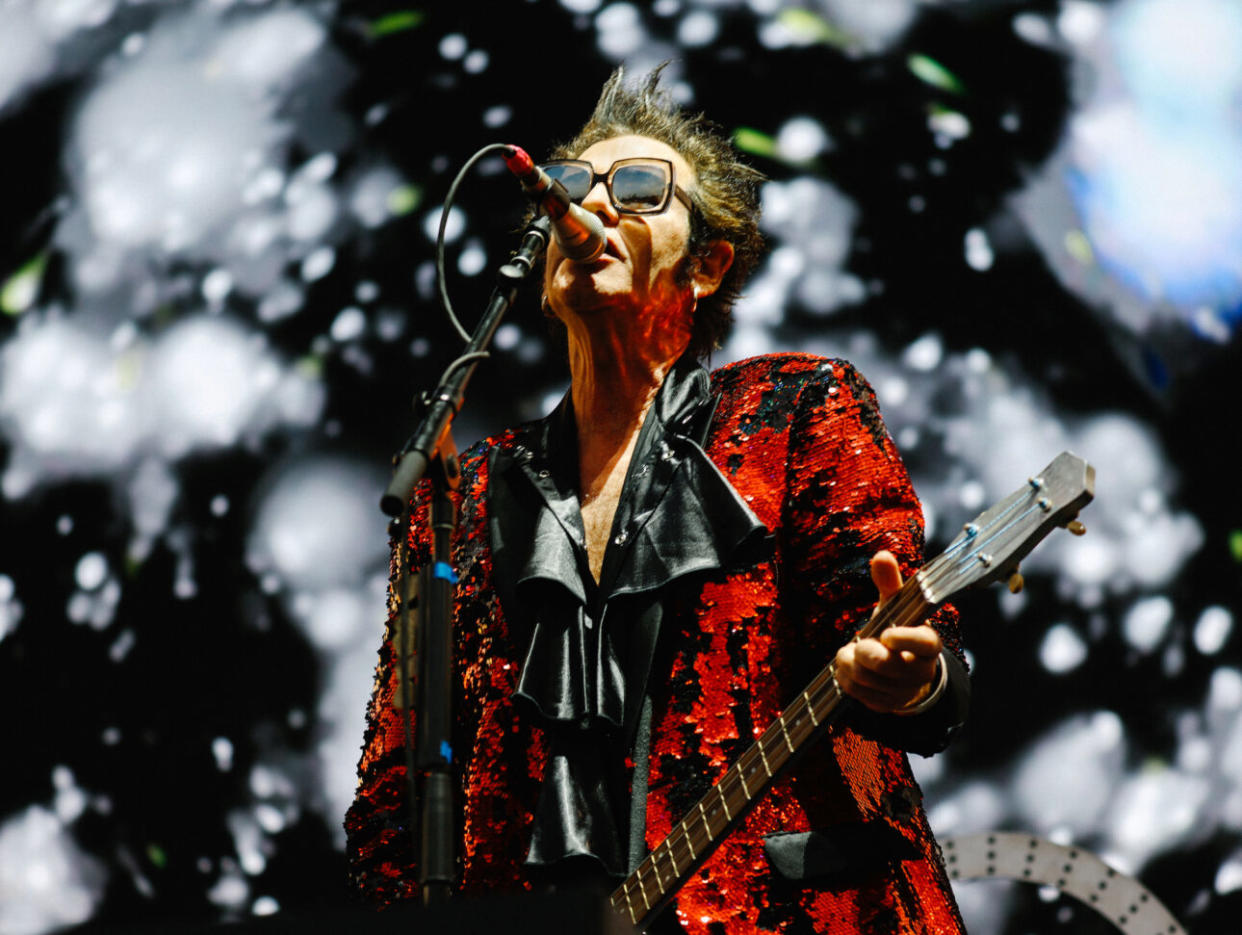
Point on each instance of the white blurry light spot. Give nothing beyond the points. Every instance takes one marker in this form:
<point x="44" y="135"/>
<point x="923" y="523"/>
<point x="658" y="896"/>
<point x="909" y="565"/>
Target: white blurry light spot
<point x="1225" y="689"/>
<point x="620" y="30"/>
<point x="350" y="323"/>
<point x="122" y="645"/>
<point x="1229" y="874"/>
<point x="217" y="285"/>
<point x="971" y="495"/>
<point x="801" y="139"/>
<point x="1212" y="629"/>
<point x="507" y="336"/>
<point x="332" y="619"/>
<point x="47" y="881"/>
<point x="91" y="571"/>
<point x="267" y="781"/>
<point x="111" y="736"/>
<point x="581" y="6"/>
<point x="497" y="116"/>
<point x="1156" y="810"/>
<point x="1062" y="649"/>
<point x="1080" y="21"/>
<point x="283" y="300"/>
<point x="972" y="806"/>
<point x="1048" y="797"/>
<point x="390" y="324"/>
<point x="219" y="505"/>
<point x="1033" y="28"/>
<point x="211" y="378"/>
<point x="6" y="588"/>
<point x="949" y="123"/>
<point x="269" y="817"/>
<point x="473" y="258"/>
<point x="453" y="46"/>
<point x="319" y="168"/>
<point x="332" y="545"/>
<point x="265" y="906"/>
<point x="924" y="354"/>
<point x="1158" y="202"/>
<point x="978" y="250"/>
<point x="697" y="28"/>
<point x="876" y="24"/>
<point x="366" y="291"/>
<point x="1208" y="323"/>
<point x="476" y="62"/>
<point x="1147" y="621"/>
<point x="531" y="350"/>
<point x="312" y="213"/>
<point x="318" y="264"/>
<point x="1190" y="48"/>
<point x="373" y="193"/>
<point x="64" y="524"/>
<point x="894" y="391"/>
<point x="230" y="891"/>
<point x="267" y="183"/>
<point x="454" y="227"/>
<point x="268" y="49"/>
<point x="222" y="750"/>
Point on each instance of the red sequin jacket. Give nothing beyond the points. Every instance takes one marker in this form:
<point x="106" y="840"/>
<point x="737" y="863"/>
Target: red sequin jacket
<point x="802" y="446"/>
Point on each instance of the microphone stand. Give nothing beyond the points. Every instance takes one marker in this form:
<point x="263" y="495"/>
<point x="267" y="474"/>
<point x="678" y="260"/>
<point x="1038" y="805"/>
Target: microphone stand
<point x="431" y="451"/>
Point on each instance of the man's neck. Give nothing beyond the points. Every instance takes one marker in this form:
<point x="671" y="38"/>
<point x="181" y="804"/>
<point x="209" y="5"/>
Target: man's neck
<point x="615" y="377"/>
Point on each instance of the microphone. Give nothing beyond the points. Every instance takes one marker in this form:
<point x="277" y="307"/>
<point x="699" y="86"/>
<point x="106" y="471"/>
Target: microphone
<point x="579" y="233"/>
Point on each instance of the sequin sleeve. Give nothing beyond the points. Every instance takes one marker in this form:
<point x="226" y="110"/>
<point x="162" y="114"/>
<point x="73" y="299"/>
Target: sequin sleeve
<point x="378" y="838"/>
<point x="849" y="497"/>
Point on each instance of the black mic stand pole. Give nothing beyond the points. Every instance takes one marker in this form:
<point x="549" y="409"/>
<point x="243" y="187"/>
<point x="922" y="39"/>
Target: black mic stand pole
<point x="431" y="450"/>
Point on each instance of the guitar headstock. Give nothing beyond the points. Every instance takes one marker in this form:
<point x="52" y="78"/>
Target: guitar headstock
<point x="991" y="545"/>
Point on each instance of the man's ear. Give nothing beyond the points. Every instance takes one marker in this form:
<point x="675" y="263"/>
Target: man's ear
<point x="710" y="267"/>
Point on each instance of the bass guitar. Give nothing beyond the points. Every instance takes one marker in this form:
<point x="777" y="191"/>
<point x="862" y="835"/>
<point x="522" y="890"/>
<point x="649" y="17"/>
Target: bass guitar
<point x="987" y="549"/>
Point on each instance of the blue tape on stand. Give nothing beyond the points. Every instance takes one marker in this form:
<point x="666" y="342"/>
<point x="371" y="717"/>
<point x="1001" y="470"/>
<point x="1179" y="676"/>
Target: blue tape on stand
<point x="445" y="571"/>
<point x="446" y="751"/>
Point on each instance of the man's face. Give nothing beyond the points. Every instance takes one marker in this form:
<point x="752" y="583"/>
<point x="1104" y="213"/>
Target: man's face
<point x="639" y="272"/>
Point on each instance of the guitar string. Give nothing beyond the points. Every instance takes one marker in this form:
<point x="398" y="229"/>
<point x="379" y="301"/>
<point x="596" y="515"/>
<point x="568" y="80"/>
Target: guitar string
<point x="908" y="603"/>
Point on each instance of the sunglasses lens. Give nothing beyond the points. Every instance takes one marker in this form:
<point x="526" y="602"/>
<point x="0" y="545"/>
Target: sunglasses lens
<point x="576" y="179"/>
<point x="640" y="186"/>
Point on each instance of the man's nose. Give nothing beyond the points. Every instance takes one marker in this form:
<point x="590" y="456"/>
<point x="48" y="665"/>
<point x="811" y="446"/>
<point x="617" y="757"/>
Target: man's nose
<point x="599" y="204"/>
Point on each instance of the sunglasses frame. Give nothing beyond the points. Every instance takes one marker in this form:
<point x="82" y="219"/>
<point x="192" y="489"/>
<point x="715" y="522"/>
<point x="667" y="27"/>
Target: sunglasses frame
<point x="671" y="189"/>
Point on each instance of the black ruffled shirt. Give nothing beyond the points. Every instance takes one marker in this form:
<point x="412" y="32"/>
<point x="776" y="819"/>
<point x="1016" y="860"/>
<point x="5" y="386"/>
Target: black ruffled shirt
<point x="591" y="645"/>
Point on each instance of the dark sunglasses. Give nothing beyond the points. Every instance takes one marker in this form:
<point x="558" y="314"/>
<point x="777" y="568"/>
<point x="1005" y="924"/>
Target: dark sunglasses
<point x="638" y="185"/>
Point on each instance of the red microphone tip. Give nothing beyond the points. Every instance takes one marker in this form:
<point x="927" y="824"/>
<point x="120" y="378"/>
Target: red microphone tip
<point x="518" y="161"/>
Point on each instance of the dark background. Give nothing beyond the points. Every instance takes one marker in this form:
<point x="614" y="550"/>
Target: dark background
<point x="156" y="829"/>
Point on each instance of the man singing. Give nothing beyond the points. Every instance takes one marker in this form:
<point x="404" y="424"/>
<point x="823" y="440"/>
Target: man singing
<point x="651" y="573"/>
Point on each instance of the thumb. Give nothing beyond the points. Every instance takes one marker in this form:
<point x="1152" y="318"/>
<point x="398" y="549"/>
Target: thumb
<point x="886" y="574"/>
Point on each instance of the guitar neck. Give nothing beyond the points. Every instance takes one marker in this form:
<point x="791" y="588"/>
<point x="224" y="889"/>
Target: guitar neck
<point x="654" y="882"/>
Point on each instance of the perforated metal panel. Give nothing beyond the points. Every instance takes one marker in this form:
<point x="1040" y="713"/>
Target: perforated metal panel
<point x="1078" y="873"/>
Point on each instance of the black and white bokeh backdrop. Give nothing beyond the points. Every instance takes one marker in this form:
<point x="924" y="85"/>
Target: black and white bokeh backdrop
<point x="1021" y="220"/>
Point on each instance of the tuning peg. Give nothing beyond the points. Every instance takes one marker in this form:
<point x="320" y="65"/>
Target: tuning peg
<point x="1076" y="527"/>
<point x="1016" y="581"/>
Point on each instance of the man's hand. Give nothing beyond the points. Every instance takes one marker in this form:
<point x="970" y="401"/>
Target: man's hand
<point x="898" y="669"/>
